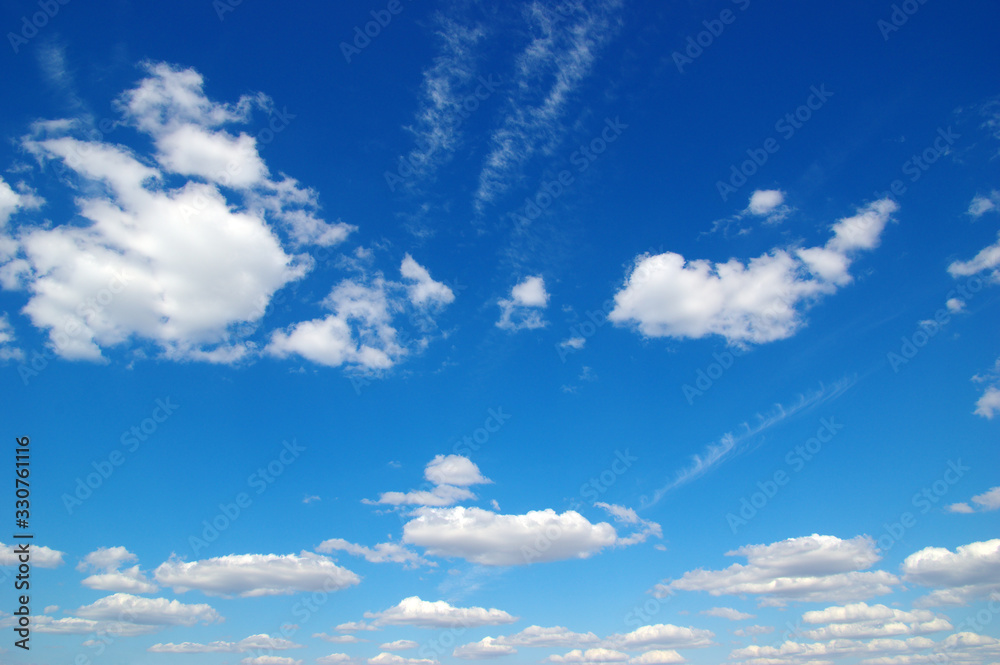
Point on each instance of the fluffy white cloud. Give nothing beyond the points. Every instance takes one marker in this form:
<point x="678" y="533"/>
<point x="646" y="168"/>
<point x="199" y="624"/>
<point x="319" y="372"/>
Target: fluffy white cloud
<point x="658" y="657"/>
<point x="393" y="659"/>
<point x="980" y="205"/>
<point x="727" y="613"/>
<point x="971" y="571"/>
<point x="361" y="330"/>
<point x="493" y="539"/>
<point x="985" y="502"/>
<point x="423" y="290"/>
<point x="249" y="575"/>
<point x="811" y="568"/>
<point x="148" y="611"/>
<point x="78" y="626"/>
<point x="442" y="495"/>
<point x="795" y="652"/>
<point x="597" y="655"/>
<point x="262" y="641"/>
<point x="661" y="636"/>
<point x="523" y="309"/>
<point x="988" y="258"/>
<point x="382" y="552"/>
<point x="41" y="556"/>
<point x="540" y="636"/>
<point x="398" y="645"/>
<point x="761" y="301"/>
<point x="764" y="201"/>
<point x="413" y="611"/>
<point x="988" y="403"/>
<point x="487" y="647"/>
<point x="270" y="660"/>
<point x="107" y="561"/>
<point x="334" y="659"/>
<point x="338" y="639"/>
<point x="454" y="470"/>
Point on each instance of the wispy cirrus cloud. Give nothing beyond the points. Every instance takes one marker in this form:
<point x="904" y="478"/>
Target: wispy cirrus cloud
<point x="564" y="44"/>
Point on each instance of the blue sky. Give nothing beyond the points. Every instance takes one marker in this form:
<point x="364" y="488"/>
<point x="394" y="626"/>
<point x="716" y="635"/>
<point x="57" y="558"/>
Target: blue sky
<point x="536" y="332"/>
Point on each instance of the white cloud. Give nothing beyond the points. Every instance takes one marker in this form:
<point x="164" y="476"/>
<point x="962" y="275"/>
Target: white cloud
<point x="661" y="636"/>
<point x="795" y="653"/>
<point x="249" y="575"/>
<point x="270" y="660"/>
<point x="7" y="336"/>
<point x="576" y="343"/>
<point x="352" y="626"/>
<point x="381" y="553"/>
<point x="727" y="613"/>
<point x="78" y="626"/>
<point x="811" y="568"/>
<point x="492" y="539"/>
<point x="555" y="636"/>
<point x="148" y="611"/>
<point x="988" y="500"/>
<point x="107" y="561"/>
<point x="442" y="495"/>
<point x="360" y="332"/>
<point x="423" y="290"/>
<point x="454" y="470"/>
<point x="761" y="301"/>
<point x="658" y="657"/>
<point x="955" y="305"/>
<point x="41" y="556"/>
<point x="413" y="611"/>
<point x="597" y="655"/>
<point x="960" y="508"/>
<point x="988" y="258"/>
<point x="338" y="639"/>
<point x="487" y="647"/>
<point x="981" y="205"/>
<point x="988" y="403"/>
<point x="399" y="645"/>
<point x="768" y="203"/>
<point x="262" y="641"/>
<point x="393" y="659"/>
<point x="522" y="311"/>
<point x="550" y="68"/>
<point x="971" y="571"/>
<point x="334" y="659"/>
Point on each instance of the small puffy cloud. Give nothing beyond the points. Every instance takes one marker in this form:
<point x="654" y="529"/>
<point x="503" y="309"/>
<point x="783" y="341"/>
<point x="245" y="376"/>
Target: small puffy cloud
<point x="523" y="310"/>
<point x="422" y="289"/>
<point x="554" y="636"/>
<point x="811" y="568"/>
<point x="147" y="611"/>
<point x="254" y="642"/>
<point x="981" y="205"/>
<point x="755" y="302"/>
<point x="749" y="631"/>
<point x="487" y="647"/>
<point x="661" y="636"/>
<point x="270" y="660"/>
<point x="381" y="553"/>
<point x="392" y="659"/>
<point x="575" y="343"/>
<point x="454" y="470"/>
<point x="764" y="201"/>
<point x="597" y="655"/>
<point x="41" y="556"/>
<point x="338" y="639"/>
<point x="248" y="575"/>
<point x="352" y="626"/>
<point x="413" y="611"/>
<point x="985" y="502"/>
<point x="442" y="495"/>
<point x="988" y="403"/>
<point x="78" y="626"/>
<point x="727" y="613"/>
<point x="988" y="258"/>
<point x="658" y="657"/>
<point x="971" y="571"/>
<point x="955" y="305"/>
<point x="334" y="659"/>
<point x="492" y="539"/>
<point x="107" y="561"/>
<point x="399" y="645"/>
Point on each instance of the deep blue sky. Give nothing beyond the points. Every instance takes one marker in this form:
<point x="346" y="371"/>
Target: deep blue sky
<point x="547" y="391"/>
